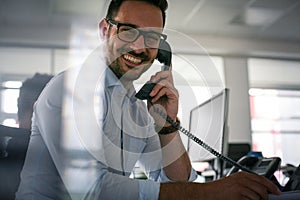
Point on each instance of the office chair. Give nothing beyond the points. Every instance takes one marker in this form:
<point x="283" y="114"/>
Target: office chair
<point x="12" y="158"/>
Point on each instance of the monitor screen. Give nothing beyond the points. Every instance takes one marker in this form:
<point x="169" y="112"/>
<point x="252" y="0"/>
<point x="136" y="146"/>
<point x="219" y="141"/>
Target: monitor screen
<point x="208" y="122"/>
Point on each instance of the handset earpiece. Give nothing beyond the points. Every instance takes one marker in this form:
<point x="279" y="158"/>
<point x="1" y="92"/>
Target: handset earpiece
<point x="164" y="54"/>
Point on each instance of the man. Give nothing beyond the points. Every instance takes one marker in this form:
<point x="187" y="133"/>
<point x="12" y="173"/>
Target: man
<point x="132" y="31"/>
<point x="15" y="140"/>
<point x="29" y="92"/>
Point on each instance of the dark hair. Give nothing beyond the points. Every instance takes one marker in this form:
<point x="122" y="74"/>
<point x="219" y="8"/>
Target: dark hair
<point x="115" y="5"/>
<point x="30" y="91"/>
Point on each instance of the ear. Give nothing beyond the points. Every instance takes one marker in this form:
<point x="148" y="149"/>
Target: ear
<point x="103" y="27"/>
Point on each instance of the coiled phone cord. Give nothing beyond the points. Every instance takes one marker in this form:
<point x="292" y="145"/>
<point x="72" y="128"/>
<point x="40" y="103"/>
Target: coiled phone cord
<point x="198" y="140"/>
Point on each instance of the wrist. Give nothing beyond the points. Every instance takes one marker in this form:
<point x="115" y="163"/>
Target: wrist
<point x="171" y="128"/>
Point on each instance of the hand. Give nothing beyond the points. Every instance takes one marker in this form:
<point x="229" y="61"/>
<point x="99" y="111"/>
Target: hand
<point x="243" y="185"/>
<point x="164" y="93"/>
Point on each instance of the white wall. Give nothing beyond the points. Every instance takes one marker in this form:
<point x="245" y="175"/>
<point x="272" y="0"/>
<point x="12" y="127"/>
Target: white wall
<point x="24" y="60"/>
<point x="269" y="73"/>
<point x="27" y="61"/>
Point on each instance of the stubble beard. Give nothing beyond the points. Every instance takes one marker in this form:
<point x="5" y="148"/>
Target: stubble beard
<point x="132" y="74"/>
<point x="115" y="64"/>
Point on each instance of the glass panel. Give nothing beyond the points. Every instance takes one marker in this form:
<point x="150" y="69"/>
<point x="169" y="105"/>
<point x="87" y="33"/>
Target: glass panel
<point x="10" y="122"/>
<point x="9" y="100"/>
<point x="275" y="122"/>
<point x="12" y="84"/>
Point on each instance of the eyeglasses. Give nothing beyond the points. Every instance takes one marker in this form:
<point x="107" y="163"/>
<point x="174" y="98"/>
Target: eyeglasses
<point x="130" y="33"/>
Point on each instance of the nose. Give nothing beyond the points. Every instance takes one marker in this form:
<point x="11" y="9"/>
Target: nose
<point x="139" y="44"/>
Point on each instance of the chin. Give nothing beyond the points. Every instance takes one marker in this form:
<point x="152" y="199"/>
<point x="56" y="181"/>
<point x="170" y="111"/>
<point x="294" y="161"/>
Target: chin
<point x="134" y="73"/>
<point x="131" y="76"/>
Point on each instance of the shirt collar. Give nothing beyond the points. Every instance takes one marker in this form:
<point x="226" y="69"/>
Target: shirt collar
<point x="111" y="80"/>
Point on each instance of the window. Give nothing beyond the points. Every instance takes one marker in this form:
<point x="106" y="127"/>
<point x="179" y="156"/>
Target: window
<point x="275" y="121"/>
<point x="274" y="103"/>
<point x="9" y="94"/>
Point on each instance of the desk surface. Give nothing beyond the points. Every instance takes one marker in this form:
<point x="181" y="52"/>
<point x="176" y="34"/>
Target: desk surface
<point x="292" y="195"/>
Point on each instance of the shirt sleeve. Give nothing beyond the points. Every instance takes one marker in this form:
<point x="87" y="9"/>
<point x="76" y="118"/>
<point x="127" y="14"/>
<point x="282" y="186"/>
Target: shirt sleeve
<point x="151" y="163"/>
<point x="149" y="189"/>
<point x="163" y="177"/>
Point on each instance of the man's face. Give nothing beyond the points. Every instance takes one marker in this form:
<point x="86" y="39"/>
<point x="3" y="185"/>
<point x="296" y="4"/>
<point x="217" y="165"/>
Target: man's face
<point x="129" y="60"/>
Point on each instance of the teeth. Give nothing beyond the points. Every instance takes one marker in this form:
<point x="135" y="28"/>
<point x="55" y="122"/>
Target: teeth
<point x="132" y="59"/>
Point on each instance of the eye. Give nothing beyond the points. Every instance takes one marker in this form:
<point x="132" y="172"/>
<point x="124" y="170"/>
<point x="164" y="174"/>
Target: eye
<point x="153" y="38"/>
<point x="128" y="33"/>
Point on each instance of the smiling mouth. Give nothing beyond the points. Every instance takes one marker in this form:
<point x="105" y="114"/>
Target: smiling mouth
<point x="132" y="60"/>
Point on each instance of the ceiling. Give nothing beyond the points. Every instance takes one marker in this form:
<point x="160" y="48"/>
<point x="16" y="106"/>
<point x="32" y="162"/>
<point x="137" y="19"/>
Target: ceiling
<point x="61" y="23"/>
<point x="264" y="19"/>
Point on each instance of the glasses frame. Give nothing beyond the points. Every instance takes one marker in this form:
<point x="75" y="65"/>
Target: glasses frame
<point x="141" y="32"/>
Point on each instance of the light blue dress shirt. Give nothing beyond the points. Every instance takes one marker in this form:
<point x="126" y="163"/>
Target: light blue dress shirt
<point x="87" y="138"/>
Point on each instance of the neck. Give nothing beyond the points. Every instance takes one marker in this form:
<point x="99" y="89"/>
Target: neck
<point x="126" y="83"/>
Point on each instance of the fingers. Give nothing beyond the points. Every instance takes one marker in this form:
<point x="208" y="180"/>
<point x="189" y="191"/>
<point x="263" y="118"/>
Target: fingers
<point x="162" y="75"/>
<point x="165" y="93"/>
<point x="164" y="88"/>
<point x="242" y="185"/>
<point x="272" y="188"/>
<point x="255" y="186"/>
<point x="254" y="191"/>
<point x="250" y="194"/>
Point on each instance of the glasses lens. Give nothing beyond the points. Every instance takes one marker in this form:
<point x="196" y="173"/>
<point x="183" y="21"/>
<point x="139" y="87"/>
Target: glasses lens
<point x="127" y="33"/>
<point x="152" y="39"/>
<point x="130" y="34"/>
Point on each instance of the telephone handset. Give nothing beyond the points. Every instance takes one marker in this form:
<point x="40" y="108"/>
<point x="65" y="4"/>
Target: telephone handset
<point x="294" y="181"/>
<point x="261" y="166"/>
<point x="164" y="55"/>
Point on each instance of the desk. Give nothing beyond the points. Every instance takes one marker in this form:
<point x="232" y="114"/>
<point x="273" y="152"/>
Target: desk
<point x="292" y="195"/>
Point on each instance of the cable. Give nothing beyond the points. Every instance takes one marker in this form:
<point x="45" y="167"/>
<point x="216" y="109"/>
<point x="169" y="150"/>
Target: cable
<point x="199" y="141"/>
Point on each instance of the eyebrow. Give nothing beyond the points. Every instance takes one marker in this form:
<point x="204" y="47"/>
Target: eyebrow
<point x="132" y="25"/>
<point x="126" y="24"/>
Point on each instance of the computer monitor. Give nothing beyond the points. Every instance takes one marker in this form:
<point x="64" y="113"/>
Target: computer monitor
<point x="208" y="121"/>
